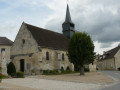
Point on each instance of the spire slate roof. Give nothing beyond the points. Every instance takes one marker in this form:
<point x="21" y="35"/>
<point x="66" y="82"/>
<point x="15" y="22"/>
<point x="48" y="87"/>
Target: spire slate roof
<point x="47" y="38"/>
<point x="5" y="41"/>
<point x="68" y="17"/>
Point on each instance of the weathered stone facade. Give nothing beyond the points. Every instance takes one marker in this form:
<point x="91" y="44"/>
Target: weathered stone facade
<point x="26" y="48"/>
<point x="5" y="45"/>
<point x="107" y="64"/>
<point x="110" y="60"/>
<point x="7" y="52"/>
<point x="92" y="67"/>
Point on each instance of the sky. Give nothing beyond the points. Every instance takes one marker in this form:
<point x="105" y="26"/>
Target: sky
<point x="99" y="18"/>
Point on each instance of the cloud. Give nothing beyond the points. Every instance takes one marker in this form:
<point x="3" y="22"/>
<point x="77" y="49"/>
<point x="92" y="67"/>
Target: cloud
<point x="100" y="18"/>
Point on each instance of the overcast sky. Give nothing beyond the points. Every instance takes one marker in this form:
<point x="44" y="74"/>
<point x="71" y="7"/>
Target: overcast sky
<point x="99" y="18"/>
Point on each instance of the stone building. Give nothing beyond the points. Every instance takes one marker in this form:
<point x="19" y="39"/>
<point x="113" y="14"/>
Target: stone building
<point x="110" y="60"/>
<point x="36" y="49"/>
<point x="5" y="45"/>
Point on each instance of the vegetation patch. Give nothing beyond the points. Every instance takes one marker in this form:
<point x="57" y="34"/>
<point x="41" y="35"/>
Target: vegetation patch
<point x="11" y="70"/>
<point x="56" y="72"/>
<point x="2" y="76"/>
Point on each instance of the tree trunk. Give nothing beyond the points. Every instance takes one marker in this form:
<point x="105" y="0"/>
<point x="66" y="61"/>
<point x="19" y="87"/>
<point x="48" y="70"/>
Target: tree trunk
<point x="82" y="70"/>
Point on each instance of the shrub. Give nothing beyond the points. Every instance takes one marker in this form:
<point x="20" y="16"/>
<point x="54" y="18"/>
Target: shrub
<point x="11" y="70"/>
<point x="13" y="75"/>
<point x="50" y="72"/>
<point x="20" y="75"/>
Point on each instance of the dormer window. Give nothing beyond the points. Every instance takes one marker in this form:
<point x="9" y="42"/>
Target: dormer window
<point x="23" y="41"/>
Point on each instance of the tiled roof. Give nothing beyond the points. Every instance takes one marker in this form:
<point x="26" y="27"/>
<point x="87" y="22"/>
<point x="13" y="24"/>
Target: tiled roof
<point x="47" y="38"/>
<point x="5" y="41"/>
<point x="112" y="52"/>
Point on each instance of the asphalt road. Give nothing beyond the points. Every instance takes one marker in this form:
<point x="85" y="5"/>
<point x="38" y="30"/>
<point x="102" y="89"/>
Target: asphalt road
<point x="116" y="75"/>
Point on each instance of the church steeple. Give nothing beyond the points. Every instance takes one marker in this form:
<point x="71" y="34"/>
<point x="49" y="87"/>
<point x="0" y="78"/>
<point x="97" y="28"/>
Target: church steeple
<point x="68" y="17"/>
<point x="68" y="26"/>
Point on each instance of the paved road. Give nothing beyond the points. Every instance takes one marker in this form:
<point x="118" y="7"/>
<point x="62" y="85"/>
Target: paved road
<point x="116" y="75"/>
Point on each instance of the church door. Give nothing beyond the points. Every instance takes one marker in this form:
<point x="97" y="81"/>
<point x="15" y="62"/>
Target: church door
<point x="22" y="65"/>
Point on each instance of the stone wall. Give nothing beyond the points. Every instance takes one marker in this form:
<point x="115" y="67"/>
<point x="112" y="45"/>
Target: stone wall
<point x="107" y="64"/>
<point x="26" y="48"/>
<point x="117" y="60"/>
<point x="54" y="62"/>
<point x="7" y="51"/>
<point x="4" y="57"/>
<point x="92" y="67"/>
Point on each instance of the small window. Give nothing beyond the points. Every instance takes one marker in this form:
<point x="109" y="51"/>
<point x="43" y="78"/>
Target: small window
<point x="47" y="55"/>
<point x="2" y="49"/>
<point x="23" y="41"/>
<point x="63" y="57"/>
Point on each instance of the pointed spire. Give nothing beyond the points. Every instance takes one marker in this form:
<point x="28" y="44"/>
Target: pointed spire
<point x="68" y="26"/>
<point x="68" y="17"/>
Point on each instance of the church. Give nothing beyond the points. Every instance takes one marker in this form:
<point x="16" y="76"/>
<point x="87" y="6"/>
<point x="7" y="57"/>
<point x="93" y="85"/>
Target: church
<point x="36" y="49"/>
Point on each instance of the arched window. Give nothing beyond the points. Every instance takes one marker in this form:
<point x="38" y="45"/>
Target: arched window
<point x="47" y="55"/>
<point x="63" y="57"/>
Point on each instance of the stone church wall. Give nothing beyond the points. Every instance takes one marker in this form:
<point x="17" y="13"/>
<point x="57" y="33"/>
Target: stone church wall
<point x="26" y="48"/>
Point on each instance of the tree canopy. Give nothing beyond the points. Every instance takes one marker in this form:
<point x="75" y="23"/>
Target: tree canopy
<point x="81" y="49"/>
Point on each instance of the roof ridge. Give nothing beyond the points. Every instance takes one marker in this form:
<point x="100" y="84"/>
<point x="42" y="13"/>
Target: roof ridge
<point x="113" y="48"/>
<point x="47" y="38"/>
<point x="43" y="29"/>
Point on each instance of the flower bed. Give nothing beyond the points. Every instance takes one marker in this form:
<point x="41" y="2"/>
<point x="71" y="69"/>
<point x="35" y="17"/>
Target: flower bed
<point x="2" y="77"/>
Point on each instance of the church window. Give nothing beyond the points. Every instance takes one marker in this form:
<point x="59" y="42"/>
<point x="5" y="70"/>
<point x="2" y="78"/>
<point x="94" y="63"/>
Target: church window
<point x="47" y="55"/>
<point x="23" y="41"/>
<point x="63" y="57"/>
<point x="3" y="49"/>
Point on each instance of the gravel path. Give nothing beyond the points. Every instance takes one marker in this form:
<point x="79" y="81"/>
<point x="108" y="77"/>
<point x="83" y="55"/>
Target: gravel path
<point x="91" y="81"/>
<point x="91" y="77"/>
<point x="42" y="84"/>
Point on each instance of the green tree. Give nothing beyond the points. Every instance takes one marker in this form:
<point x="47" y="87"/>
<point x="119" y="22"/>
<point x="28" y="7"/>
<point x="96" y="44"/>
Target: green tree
<point x="81" y="50"/>
<point x="11" y="70"/>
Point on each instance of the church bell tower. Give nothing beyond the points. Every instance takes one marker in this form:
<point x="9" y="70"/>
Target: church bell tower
<point x="68" y="26"/>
